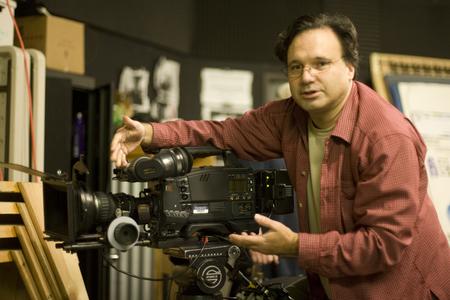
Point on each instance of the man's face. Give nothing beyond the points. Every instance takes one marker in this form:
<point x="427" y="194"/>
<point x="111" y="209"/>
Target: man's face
<point x="318" y="76"/>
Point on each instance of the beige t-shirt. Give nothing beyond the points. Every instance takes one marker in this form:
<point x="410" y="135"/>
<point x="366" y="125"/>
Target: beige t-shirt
<point x="316" y="141"/>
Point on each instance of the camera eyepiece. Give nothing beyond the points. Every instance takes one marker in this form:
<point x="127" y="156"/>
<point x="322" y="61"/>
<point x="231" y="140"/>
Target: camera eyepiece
<point x="167" y="163"/>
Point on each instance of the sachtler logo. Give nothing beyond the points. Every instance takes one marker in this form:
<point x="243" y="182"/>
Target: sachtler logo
<point x="212" y="276"/>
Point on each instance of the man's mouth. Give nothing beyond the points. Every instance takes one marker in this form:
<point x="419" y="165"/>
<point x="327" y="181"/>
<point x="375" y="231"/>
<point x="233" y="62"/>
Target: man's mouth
<point x="310" y="93"/>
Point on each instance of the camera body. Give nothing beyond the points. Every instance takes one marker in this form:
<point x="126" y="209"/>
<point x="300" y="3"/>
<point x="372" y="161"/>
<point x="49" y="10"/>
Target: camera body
<point x="180" y="203"/>
<point x="214" y="201"/>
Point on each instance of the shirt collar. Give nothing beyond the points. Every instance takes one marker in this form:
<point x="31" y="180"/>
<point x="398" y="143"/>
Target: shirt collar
<point x="347" y="120"/>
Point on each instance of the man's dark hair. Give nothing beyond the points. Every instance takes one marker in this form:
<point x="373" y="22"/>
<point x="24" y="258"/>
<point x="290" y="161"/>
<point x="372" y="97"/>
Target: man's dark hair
<point x="341" y="25"/>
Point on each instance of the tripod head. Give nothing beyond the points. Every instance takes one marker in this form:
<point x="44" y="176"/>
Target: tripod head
<point x="204" y="270"/>
<point x="208" y="271"/>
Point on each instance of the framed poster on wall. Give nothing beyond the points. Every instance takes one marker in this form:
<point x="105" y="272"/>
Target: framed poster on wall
<point x="426" y="102"/>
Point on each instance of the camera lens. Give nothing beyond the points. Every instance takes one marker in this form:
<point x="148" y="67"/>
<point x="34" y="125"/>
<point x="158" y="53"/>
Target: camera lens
<point x="95" y="209"/>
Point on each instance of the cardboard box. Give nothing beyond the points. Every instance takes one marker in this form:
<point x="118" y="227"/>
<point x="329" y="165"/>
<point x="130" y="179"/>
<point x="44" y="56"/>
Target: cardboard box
<point x="61" y="41"/>
<point x="6" y="24"/>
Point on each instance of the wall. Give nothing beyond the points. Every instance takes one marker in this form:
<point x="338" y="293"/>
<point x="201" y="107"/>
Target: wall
<point x="234" y="33"/>
<point x="418" y="28"/>
<point x="164" y="24"/>
<point x="243" y="30"/>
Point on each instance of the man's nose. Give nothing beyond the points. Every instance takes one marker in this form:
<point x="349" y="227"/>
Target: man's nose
<point x="307" y="76"/>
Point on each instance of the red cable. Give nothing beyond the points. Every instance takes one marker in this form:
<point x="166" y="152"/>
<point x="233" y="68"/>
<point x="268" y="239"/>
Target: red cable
<point x="27" y="78"/>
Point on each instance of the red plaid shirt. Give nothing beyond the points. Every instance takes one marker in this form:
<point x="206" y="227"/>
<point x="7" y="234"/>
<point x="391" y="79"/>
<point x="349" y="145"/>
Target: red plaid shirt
<point x="381" y="238"/>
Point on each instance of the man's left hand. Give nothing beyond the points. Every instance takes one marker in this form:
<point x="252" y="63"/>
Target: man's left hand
<point x="278" y="240"/>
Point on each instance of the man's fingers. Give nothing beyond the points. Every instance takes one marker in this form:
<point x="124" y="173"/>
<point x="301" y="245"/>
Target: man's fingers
<point x="115" y="154"/>
<point x="130" y="123"/>
<point x="118" y="139"/>
<point x="123" y="159"/>
<point x="119" y="157"/>
<point x="276" y="259"/>
<point x="265" y="222"/>
<point x="127" y="121"/>
<point x="246" y="241"/>
<point x="263" y="259"/>
<point x="259" y="258"/>
<point x="251" y="241"/>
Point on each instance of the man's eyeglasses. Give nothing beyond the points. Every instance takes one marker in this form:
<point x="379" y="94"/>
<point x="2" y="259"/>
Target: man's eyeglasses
<point x="295" y="70"/>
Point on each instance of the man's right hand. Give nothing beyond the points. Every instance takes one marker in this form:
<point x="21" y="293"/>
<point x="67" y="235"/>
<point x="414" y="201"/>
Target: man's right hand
<point x="260" y="258"/>
<point x="127" y="138"/>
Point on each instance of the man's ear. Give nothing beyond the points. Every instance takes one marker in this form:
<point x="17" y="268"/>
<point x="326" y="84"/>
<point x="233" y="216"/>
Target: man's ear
<point x="351" y="71"/>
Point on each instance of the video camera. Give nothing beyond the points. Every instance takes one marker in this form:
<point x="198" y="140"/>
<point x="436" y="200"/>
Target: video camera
<point x="180" y="204"/>
<point x="186" y="211"/>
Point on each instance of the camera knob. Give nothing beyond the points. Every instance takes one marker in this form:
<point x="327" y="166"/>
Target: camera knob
<point x="123" y="233"/>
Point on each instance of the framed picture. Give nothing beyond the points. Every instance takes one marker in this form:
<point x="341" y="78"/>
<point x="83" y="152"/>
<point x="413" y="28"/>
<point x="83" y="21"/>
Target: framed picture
<point x="426" y="102"/>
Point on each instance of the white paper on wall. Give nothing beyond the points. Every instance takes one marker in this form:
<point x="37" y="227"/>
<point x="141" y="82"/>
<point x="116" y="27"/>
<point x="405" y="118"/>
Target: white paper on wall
<point x="225" y="93"/>
<point x="428" y="107"/>
<point x="134" y="84"/>
<point x="166" y="82"/>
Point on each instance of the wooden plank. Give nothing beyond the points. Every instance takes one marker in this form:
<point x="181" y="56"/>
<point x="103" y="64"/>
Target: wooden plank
<point x="63" y="264"/>
<point x="7" y="231"/>
<point x="8" y="208"/>
<point x="8" y="238"/>
<point x="9" y="215"/>
<point x="37" y="243"/>
<point x="25" y="273"/>
<point x="5" y="256"/>
<point x="33" y="263"/>
<point x="9" y="187"/>
<point x="33" y="198"/>
<point x="9" y="192"/>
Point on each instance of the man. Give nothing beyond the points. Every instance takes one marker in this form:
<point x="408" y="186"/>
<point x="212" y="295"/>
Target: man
<point x="368" y="229"/>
